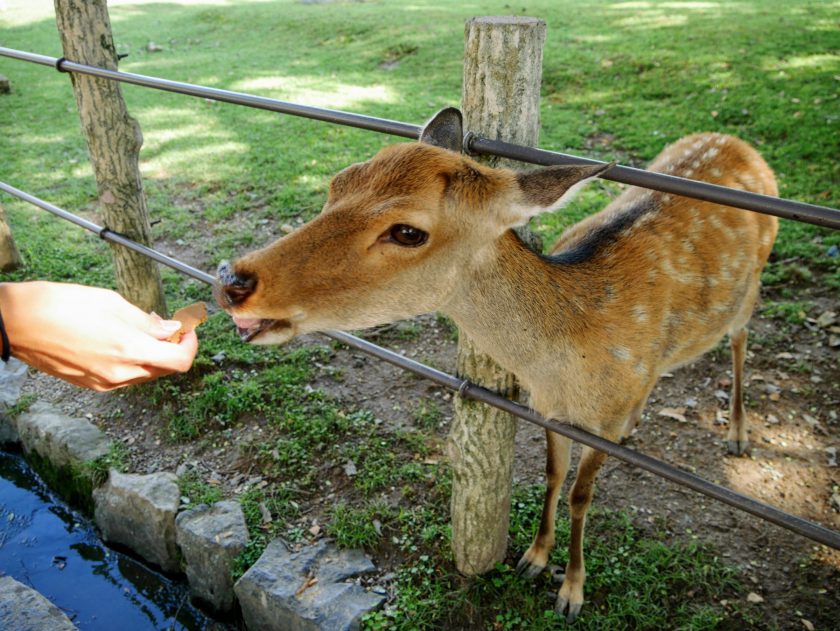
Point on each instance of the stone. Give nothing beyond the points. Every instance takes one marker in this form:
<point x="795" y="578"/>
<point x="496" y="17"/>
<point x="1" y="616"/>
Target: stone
<point x="63" y="440"/>
<point x="24" y="609"/>
<point x="138" y="511"/>
<point x="309" y="590"/>
<point x="12" y="376"/>
<point x="210" y="539"/>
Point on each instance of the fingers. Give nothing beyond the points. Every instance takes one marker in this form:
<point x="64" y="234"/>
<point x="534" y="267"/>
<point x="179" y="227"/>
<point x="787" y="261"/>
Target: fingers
<point x="159" y="328"/>
<point x="169" y="357"/>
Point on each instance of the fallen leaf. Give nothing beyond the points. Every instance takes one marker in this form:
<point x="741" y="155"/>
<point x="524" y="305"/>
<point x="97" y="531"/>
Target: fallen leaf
<point x="315" y="530"/>
<point x="785" y="355"/>
<point x="754" y="598"/>
<point x="266" y="514"/>
<point x="826" y="319"/>
<point x="807" y="624"/>
<point x="678" y="414"/>
<point x="307" y="583"/>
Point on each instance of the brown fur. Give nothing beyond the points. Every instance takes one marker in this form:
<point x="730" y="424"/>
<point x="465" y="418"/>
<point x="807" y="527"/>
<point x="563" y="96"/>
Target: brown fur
<point x="646" y="285"/>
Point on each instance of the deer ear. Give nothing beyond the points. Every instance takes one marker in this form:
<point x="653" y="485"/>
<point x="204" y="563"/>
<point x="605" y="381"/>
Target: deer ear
<point x="445" y="130"/>
<point x="551" y="188"/>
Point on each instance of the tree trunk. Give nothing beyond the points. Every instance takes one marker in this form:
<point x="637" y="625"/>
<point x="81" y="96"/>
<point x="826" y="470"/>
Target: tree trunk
<point x="114" y="140"/>
<point x="500" y="101"/>
<point x="9" y="255"/>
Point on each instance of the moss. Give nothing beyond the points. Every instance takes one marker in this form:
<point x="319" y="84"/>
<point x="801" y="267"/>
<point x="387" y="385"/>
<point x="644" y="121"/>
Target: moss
<point x="73" y="484"/>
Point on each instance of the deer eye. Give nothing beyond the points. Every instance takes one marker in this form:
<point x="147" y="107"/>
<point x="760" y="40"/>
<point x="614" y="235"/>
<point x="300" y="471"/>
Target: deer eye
<point x="408" y="236"/>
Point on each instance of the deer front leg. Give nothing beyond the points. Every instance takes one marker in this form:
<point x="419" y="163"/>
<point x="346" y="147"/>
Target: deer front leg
<point x="737" y="442"/>
<point x="570" y="596"/>
<point x="558" y="451"/>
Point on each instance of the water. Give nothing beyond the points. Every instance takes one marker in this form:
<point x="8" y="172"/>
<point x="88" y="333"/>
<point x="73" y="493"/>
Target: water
<point x="49" y="546"/>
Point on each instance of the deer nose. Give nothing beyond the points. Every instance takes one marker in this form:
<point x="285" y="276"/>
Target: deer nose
<point x="233" y="288"/>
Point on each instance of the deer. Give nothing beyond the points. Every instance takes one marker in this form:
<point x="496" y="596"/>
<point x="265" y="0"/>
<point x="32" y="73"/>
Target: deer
<point x="648" y="284"/>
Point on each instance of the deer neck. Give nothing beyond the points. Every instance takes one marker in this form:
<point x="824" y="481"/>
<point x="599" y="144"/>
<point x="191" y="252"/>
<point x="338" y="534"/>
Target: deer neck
<point x="512" y="297"/>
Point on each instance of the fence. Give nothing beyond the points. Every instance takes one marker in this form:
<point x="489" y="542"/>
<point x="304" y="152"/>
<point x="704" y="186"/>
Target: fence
<point x="790" y="209"/>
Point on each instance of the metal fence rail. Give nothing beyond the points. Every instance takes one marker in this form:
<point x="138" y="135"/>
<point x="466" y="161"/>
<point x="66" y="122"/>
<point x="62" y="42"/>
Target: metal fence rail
<point x="788" y="209"/>
<point x="470" y="390"/>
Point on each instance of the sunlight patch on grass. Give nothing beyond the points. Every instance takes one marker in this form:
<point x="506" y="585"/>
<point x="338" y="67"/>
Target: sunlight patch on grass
<point x="188" y="159"/>
<point x="817" y="61"/>
<point x="301" y="90"/>
<point x="654" y="19"/>
<point x="156" y="138"/>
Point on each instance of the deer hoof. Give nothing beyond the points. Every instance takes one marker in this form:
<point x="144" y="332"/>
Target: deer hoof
<point x="568" y="609"/>
<point x="528" y="570"/>
<point x="738" y="447"/>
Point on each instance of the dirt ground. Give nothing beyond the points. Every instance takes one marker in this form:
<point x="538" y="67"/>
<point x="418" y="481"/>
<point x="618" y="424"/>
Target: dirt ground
<point x="793" y="398"/>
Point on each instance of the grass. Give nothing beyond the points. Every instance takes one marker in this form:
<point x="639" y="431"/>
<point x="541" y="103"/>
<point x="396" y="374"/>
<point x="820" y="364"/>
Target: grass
<point x="636" y="580"/>
<point x="620" y="80"/>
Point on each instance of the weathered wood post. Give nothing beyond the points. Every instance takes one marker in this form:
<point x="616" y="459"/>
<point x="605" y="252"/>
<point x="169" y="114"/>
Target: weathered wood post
<point x="9" y="255"/>
<point x="500" y="101"/>
<point x="114" y="140"/>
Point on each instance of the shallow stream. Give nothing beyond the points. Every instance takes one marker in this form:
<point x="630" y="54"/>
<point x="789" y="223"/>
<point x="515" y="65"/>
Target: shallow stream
<point x="49" y="546"/>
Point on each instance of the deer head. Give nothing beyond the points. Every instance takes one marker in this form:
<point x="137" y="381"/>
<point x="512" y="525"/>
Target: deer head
<point x="398" y="236"/>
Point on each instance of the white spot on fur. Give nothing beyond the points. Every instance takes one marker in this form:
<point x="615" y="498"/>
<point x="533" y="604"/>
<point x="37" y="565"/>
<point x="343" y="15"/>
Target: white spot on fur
<point x="621" y="353"/>
<point x="711" y="153"/>
<point x="715" y="222"/>
<point x="640" y="314"/>
<point x="681" y="276"/>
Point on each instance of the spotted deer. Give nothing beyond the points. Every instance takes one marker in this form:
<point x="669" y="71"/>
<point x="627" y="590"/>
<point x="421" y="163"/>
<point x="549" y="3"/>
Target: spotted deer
<point x="646" y="285"/>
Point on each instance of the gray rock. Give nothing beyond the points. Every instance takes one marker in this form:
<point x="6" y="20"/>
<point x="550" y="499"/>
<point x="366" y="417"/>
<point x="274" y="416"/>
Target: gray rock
<point x="24" y="609"/>
<point x="138" y="511"/>
<point x="306" y="590"/>
<point x="63" y="440"/>
<point x="12" y="376"/>
<point x="210" y="538"/>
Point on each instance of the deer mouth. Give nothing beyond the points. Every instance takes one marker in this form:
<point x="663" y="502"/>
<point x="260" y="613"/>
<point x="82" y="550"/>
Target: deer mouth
<point x="250" y="328"/>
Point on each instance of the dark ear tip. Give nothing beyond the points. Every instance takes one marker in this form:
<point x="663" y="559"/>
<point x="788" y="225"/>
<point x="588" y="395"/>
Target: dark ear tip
<point x="449" y="112"/>
<point x="445" y="130"/>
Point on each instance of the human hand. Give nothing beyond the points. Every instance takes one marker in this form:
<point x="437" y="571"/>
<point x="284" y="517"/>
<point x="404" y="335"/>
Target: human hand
<point x="89" y="336"/>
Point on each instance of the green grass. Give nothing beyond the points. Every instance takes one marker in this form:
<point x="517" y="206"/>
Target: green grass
<point x="197" y="490"/>
<point x="635" y="580"/>
<point x="620" y="80"/>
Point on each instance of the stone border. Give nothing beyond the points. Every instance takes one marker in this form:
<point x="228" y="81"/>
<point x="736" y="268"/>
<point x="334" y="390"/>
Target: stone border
<point x="312" y="589"/>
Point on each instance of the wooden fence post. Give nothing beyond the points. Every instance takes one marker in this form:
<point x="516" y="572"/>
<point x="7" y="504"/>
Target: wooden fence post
<point x="9" y="255"/>
<point x="500" y="101"/>
<point x="114" y="140"/>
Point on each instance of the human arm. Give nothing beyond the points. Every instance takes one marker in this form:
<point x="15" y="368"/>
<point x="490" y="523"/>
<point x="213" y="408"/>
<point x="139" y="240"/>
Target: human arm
<point x="89" y="336"/>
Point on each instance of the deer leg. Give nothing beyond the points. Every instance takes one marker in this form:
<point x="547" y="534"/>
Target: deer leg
<point x="570" y="597"/>
<point x="558" y="450"/>
<point x="737" y="441"/>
